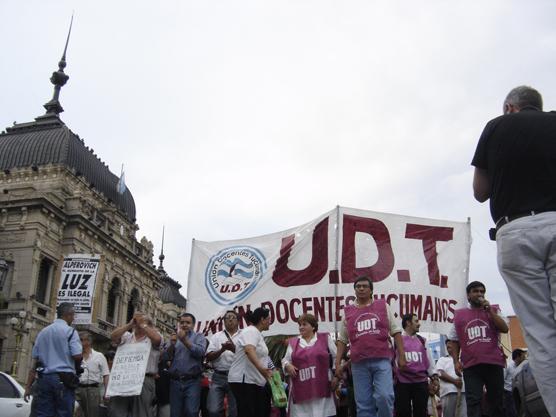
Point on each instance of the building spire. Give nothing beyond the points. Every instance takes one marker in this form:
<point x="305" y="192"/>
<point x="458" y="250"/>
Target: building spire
<point x="59" y="79"/>
<point x="161" y="257"/>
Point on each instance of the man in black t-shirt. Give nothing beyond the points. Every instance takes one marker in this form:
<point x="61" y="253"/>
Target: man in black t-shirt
<point x="515" y="167"/>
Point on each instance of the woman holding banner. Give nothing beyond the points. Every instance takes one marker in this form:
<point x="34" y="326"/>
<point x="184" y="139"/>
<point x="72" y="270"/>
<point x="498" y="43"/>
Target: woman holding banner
<point x="308" y="361"/>
<point x="249" y="373"/>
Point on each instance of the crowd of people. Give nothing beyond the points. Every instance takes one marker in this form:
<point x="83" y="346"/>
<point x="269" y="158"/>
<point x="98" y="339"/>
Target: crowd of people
<point x="378" y="366"/>
<point x="379" y="362"/>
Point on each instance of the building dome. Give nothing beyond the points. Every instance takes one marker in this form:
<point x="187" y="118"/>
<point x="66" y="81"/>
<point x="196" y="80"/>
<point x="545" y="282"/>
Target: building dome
<point x="170" y="292"/>
<point x="47" y="141"/>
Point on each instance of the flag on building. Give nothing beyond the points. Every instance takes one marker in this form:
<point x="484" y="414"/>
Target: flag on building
<point x="121" y="187"/>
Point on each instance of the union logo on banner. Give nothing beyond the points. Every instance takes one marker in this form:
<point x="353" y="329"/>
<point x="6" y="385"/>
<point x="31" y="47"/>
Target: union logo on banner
<point x="233" y="273"/>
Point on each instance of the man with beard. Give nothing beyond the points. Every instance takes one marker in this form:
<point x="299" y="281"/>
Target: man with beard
<point x="412" y="383"/>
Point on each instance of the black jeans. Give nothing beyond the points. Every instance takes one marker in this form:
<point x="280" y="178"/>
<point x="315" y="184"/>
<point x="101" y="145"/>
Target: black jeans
<point x="251" y="400"/>
<point x="408" y="395"/>
<point x="489" y="376"/>
<point x="509" y="404"/>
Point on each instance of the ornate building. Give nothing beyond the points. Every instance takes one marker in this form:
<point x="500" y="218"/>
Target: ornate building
<point x="57" y="198"/>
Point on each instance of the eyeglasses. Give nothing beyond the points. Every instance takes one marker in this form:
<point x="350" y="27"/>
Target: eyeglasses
<point x="359" y="286"/>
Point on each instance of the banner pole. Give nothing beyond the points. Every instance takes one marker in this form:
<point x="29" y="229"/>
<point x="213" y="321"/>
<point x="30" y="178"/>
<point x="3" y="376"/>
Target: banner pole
<point x="189" y="272"/>
<point x="468" y="246"/>
<point x="336" y="264"/>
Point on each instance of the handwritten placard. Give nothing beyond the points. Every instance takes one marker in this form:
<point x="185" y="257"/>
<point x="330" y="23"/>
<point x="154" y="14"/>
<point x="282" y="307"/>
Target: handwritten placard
<point x="128" y="371"/>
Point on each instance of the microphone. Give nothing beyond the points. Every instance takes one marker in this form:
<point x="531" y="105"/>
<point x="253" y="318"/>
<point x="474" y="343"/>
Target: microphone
<point x="482" y="300"/>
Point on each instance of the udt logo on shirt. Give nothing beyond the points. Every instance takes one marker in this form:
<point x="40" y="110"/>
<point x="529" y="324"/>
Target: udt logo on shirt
<point x="476" y="331"/>
<point x="367" y="324"/>
<point x="307" y="373"/>
<point x="414" y="356"/>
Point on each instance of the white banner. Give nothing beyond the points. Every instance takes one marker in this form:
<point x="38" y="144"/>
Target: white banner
<point x="77" y="285"/>
<point x="419" y="265"/>
<point x="128" y="370"/>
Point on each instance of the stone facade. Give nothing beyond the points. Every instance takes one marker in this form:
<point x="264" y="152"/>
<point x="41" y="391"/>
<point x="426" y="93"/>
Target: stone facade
<point x="49" y="212"/>
<point x="58" y="198"/>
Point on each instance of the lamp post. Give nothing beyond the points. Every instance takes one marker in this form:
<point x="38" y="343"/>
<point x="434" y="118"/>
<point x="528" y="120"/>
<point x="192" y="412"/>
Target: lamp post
<point x="20" y="325"/>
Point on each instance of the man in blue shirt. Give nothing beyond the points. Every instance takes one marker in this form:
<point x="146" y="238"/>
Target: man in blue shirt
<point x="186" y="369"/>
<point x="58" y="349"/>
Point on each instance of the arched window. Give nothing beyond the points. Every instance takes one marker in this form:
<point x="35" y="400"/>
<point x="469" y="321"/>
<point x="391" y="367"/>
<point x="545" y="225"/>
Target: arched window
<point x="42" y="293"/>
<point x="133" y="303"/>
<point x="113" y="300"/>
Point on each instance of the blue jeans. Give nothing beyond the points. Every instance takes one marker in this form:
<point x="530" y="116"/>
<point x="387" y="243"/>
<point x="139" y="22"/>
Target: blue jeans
<point x="215" y="402"/>
<point x="185" y="397"/>
<point x="55" y="400"/>
<point x="374" y="387"/>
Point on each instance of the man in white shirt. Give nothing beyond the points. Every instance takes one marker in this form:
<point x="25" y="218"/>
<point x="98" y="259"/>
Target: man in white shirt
<point x="95" y="373"/>
<point x="452" y="389"/>
<point x="221" y="352"/>
<point x="518" y="356"/>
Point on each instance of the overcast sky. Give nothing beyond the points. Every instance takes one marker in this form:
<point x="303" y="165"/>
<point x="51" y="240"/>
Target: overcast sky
<point x="241" y="118"/>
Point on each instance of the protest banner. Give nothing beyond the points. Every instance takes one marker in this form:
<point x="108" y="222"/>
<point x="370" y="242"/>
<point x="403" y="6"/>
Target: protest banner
<point x="418" y="265"/>
<point x="77" y="284"/>
<point x="128" y="370"/>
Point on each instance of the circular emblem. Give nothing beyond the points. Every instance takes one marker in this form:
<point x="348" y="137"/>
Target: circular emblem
<point x="233" y="273"/>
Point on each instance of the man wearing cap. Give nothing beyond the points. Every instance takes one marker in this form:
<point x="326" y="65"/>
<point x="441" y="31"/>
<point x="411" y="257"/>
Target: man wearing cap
<point x="515" y="167"/>
<point x="476" y="332"/>
<point x="518" y="356"/>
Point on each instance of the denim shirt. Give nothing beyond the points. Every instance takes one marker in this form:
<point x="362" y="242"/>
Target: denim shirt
<point x="188" y="362"/>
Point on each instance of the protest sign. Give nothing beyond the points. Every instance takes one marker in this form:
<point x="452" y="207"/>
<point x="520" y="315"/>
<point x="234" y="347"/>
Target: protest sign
<point x="418" y="265"/>
<point x="128" y="370"/>
<point x="77" y="284"/>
